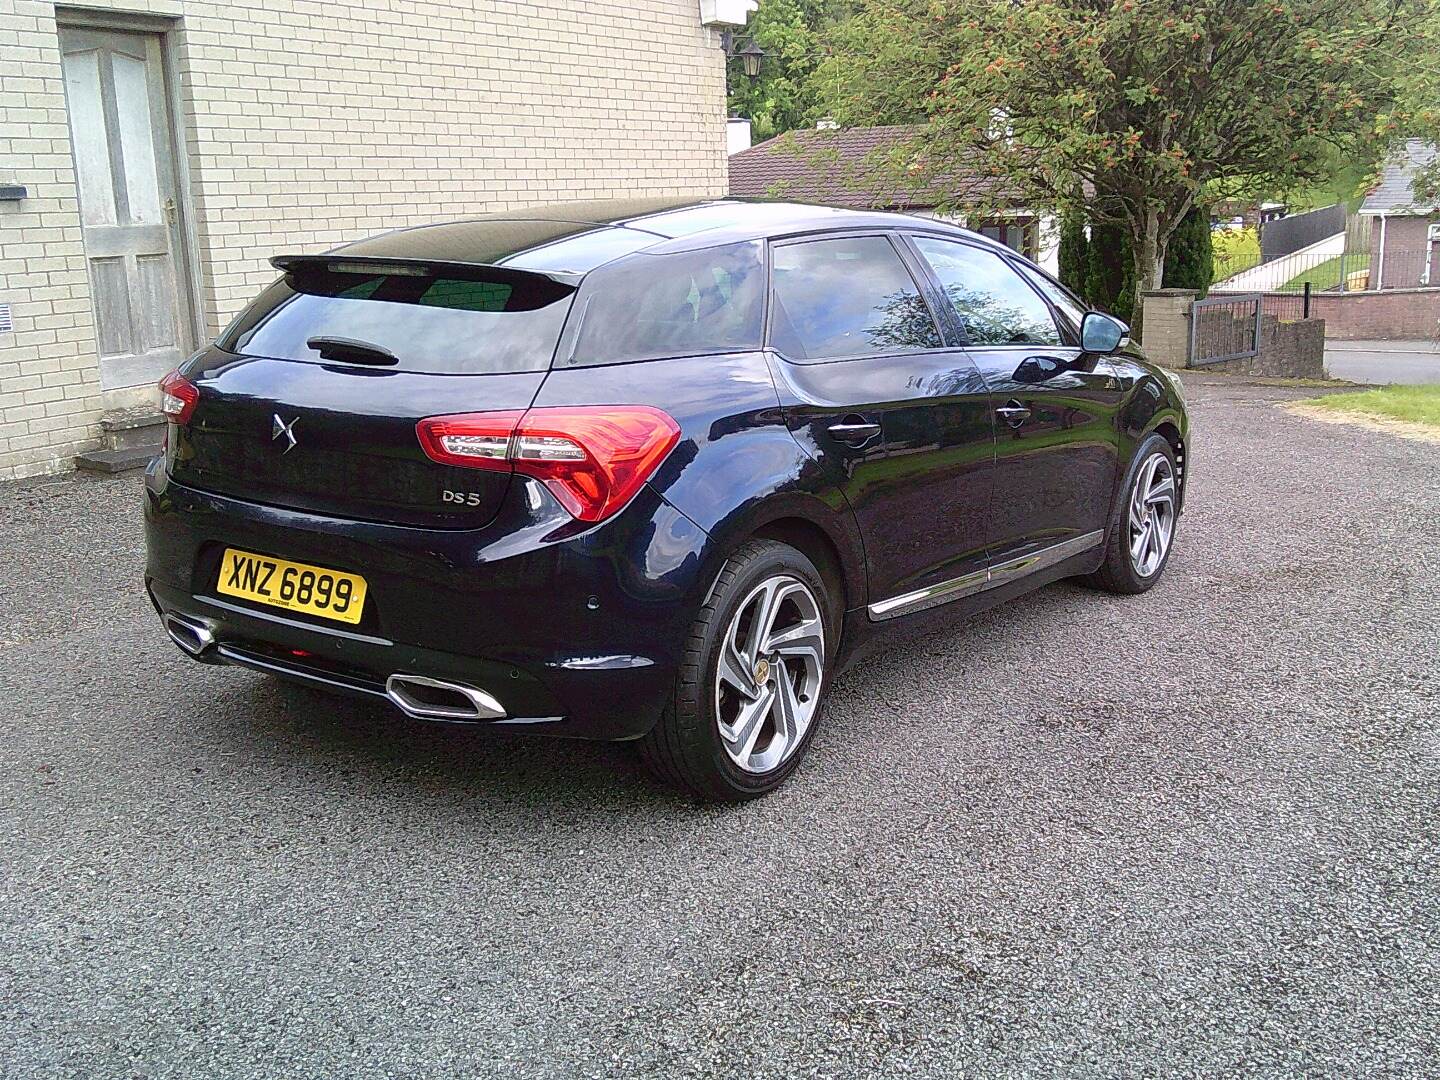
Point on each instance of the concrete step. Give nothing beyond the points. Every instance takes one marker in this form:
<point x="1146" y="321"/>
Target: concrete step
<point x="116" y="461"/>
<point x="126" y="428"/>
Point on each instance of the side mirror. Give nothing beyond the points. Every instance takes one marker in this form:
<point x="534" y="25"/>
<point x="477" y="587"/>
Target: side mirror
<point x="1099" y="333"/>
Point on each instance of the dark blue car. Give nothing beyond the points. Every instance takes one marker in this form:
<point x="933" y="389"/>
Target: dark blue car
<point x="648" y="473"/>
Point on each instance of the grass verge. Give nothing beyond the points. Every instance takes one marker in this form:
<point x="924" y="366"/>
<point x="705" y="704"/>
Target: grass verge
<point x="1411" y="404"/>
<point x="1411" y="411"/>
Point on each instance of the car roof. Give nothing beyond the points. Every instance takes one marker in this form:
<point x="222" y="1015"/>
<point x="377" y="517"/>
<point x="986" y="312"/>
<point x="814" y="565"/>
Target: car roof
<point x="575" y="238"/>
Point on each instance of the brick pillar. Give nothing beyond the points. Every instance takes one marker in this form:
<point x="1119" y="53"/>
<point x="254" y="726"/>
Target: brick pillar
<point x="1167" y="325"/>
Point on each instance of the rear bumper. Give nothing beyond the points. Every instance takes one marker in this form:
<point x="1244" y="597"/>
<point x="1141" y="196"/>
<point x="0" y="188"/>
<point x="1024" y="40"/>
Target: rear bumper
<point x="573" y="633"/>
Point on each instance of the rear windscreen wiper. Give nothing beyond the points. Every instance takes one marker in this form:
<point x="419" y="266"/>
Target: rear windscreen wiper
<point x="352" y="351"/>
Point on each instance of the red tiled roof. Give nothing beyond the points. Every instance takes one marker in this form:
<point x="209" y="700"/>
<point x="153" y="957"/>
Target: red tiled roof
<point x="835" y="167"/>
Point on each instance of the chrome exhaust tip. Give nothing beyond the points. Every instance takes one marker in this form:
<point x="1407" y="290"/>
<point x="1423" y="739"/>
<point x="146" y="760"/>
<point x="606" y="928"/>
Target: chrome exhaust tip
<point x="191" y="635"/>
<point x="435" y="699"/>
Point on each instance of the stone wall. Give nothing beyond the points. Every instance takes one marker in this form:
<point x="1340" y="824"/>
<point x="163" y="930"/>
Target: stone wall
<point x="1286" y="349"/>
<point x="1166" y="326"/>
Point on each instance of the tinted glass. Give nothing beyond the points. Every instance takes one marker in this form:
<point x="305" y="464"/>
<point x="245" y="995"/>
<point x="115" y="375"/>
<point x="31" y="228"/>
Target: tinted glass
<point x="436" y="323"/>
<point x="995" y="305"/>
<point x="847" y="297"/>
<point x="1061" y="297"/>
<point x="646" y="307"/>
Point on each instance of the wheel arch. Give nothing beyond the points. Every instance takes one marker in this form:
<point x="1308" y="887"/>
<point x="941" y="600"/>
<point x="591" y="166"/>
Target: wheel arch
<point x="1168" y="427"/>
<point x="826" y="534"/>
<point x="808" y="538"/>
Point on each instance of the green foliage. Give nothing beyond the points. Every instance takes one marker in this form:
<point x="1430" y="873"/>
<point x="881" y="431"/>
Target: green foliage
<point x="1234" y="250"/>
<point x="1190" y="261"/>
<point x="1074" y="251"/>
<point x="1110" y="282"/>
<point x="1140" y="103"/>
<point x="785" y="96"/>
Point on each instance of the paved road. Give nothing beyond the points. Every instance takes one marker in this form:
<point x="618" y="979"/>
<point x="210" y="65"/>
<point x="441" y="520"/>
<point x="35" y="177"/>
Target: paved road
<point x="1194" y="832"/>
<point x="1383" y="361"/>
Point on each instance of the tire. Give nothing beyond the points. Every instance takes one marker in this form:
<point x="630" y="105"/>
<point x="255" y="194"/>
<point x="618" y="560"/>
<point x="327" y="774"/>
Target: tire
<point x="723" y="742"/>
<point x="1123" y="572"/>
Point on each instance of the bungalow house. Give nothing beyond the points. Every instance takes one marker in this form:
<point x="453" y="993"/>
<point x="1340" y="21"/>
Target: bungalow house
<point x="1405" y="231"/>
<point x="836" y="167"/>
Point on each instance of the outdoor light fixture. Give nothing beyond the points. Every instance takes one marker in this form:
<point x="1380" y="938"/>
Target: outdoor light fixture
<point x="750" y="57"/>
<point x="750" y="54"/>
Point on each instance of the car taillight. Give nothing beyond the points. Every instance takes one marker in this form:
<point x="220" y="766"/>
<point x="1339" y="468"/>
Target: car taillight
<point x="593" y="458"/>
<point x="178" y="396"/>
<point x="474" y="440"/>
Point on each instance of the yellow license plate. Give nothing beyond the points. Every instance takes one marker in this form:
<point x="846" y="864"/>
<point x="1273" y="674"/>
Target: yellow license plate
<point x="292" y="585"/>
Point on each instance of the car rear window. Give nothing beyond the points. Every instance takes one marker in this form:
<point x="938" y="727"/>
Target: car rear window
<point x="452" y="322"/>
<point x="646" y="307"/>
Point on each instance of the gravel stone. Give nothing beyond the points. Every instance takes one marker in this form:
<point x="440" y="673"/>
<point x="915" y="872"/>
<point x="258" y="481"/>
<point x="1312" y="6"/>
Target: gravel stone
<point x="1192" y="832"/>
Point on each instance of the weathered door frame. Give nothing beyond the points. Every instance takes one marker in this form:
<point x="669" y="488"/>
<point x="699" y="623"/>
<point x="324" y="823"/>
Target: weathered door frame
<point x="187" y="257"/>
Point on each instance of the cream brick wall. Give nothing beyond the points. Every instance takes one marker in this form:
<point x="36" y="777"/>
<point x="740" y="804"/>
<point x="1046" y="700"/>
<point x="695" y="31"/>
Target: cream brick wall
<point x="307" y="124"/>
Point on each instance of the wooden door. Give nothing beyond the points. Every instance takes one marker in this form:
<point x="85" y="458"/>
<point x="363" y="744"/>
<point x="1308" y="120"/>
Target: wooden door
<point x="125" y="166"/>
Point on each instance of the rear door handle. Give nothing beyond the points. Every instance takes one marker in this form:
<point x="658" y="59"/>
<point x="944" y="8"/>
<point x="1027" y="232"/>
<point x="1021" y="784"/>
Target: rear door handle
<point x="853" y="430"/>
<point x="1013" y="413"/>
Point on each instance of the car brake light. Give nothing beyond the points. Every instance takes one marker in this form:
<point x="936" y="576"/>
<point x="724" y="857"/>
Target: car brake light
<point x="178" y="396"/>
<point x="592" y="458"/>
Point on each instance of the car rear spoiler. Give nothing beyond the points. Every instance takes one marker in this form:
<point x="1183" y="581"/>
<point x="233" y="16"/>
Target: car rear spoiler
<point x="375" y="264"/>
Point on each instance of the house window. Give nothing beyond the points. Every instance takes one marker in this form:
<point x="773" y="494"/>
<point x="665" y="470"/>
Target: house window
<point x="1018" y="234"/>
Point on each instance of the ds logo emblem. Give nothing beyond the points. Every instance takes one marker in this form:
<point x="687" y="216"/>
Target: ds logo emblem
<point x="464" y="498"/>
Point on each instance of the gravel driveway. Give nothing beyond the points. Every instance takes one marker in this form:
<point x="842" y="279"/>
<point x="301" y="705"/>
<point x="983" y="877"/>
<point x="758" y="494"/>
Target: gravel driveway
<point x="1192" y="832"/>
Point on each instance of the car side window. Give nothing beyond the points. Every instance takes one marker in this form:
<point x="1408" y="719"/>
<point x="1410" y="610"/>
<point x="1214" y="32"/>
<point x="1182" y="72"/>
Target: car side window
<point x="1063" y="299"/>
<point x="846" y="296"/>
<point x="994" y="304"/>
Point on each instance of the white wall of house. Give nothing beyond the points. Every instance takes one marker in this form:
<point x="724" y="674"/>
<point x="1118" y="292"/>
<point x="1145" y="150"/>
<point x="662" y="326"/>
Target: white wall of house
<point x="1047" y="233"/>
<point x="296" y="126"/>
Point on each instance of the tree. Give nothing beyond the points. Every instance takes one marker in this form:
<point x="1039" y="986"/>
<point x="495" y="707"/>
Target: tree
<point x="1074" y="255"/>
<point x="784" y="96"/>
<point x="1190" y="259"/>
<point x="1110" y="283"/>
<point x="1145" y="101"/>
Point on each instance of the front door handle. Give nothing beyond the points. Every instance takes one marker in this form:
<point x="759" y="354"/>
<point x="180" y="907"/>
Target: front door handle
<point x="853" y="430"/>
<point x="1013" y="413"/>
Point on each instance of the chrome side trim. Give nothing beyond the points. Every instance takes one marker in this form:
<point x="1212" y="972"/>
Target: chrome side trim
<point x="1004" y="573"/>
<point x="931" y="595"/>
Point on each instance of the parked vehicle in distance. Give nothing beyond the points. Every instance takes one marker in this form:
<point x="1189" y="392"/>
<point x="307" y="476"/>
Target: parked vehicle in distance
<point x="649" y="476"/>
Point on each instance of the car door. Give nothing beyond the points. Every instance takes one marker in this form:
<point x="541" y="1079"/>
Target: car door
<point x="900" y="422"/>
<point x="1056" y="454"/>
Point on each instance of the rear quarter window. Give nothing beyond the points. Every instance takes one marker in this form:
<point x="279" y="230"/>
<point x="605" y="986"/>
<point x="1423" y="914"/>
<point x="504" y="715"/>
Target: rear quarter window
<point x="462" y="323"/>
<point x="647" y="307"/>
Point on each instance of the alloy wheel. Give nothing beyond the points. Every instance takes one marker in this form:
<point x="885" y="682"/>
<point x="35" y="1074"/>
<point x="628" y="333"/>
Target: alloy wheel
<point x="1152" y="514"/>
<point x="772" y="662"/>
